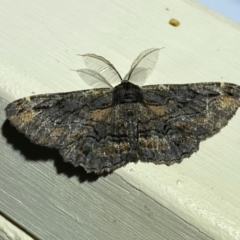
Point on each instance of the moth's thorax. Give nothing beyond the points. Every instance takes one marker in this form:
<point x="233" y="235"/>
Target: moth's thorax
<point x="127" y="92"/>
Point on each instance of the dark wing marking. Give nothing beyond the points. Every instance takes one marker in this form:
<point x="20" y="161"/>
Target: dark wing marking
<point x="92" y="132"/>
<point x="79" y="124"/>
<point x="47" y="119"/>
<point x="175" y="118"/>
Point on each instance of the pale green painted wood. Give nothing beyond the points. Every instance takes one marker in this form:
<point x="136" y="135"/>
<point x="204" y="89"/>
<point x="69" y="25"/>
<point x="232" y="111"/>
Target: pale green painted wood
<point x="52" y="206"/>
<point x="38" y="46"/>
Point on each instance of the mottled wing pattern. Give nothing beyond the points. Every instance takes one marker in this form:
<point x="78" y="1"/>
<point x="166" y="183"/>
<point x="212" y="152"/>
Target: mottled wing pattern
<point x="79" y="124"/>
<point x="175" y="118"/>
<point x="92" y="130"/>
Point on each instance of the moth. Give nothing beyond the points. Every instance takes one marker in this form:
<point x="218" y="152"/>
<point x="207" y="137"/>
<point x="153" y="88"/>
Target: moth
<point x="103" y="129"/>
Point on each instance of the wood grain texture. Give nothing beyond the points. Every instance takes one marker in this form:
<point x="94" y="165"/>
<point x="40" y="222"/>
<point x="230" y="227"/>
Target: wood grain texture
<point x="38" y="45"/>
<point x="53" y="206"/>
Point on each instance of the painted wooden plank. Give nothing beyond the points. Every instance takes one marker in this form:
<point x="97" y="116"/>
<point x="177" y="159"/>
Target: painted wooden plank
<point x="198" y="199"/>
<point x="52" y="206"/>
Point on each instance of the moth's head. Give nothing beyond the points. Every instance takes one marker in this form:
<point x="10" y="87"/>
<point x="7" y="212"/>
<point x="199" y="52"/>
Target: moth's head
<point x="127" y="92"/>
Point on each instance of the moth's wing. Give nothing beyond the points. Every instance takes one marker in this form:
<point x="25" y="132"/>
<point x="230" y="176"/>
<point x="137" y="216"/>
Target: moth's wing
<point x="142" y="66"/>
<point x="175" y="118"/>
<point x="75" y="123"/>
<point x="103" y="67"/>
<point x="93" y="78"/>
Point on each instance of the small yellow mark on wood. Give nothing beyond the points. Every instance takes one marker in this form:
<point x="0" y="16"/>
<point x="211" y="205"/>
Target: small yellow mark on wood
<point x="174" y="22"/>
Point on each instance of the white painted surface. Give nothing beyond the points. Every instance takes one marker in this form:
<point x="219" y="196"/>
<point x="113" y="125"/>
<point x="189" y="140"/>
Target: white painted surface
<point x="38" y="47"/>
<point x="9" y="231"/>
